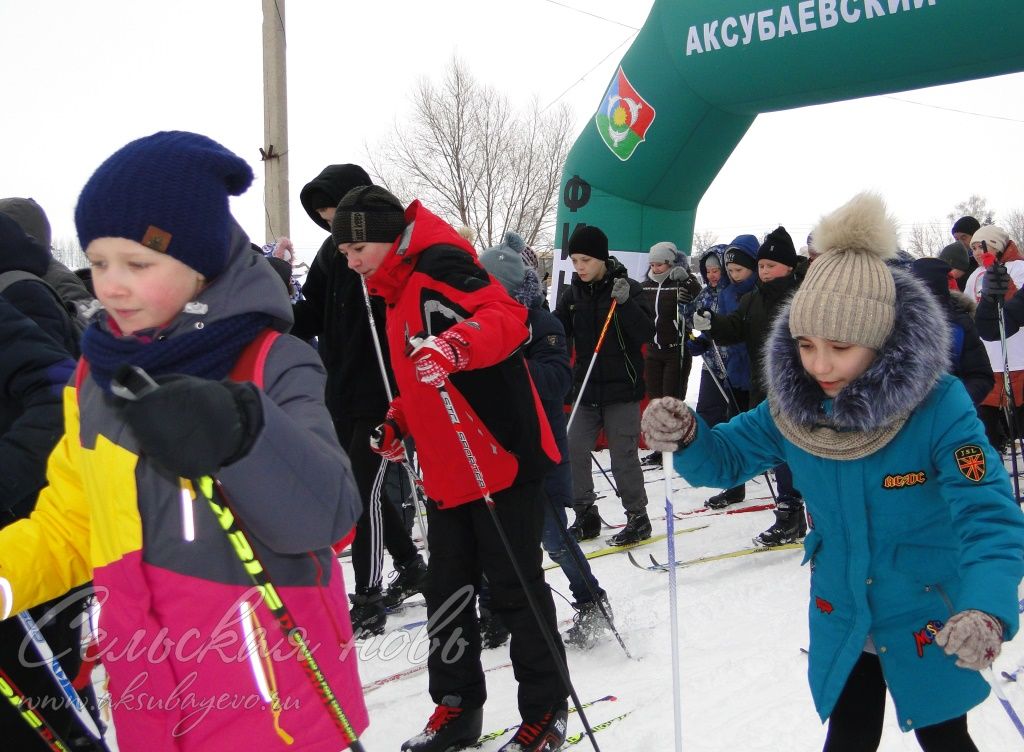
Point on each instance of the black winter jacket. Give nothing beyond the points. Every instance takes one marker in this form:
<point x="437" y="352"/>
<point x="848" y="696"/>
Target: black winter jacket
<point x="751" y="323"/>
<point x="33" y="372"/>
<point x="334" y="310"/>
<point x="618" y="374"/>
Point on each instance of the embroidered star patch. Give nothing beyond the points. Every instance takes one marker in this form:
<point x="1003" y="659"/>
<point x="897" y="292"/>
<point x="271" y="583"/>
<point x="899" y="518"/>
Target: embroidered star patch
<point x="970" y="460"/>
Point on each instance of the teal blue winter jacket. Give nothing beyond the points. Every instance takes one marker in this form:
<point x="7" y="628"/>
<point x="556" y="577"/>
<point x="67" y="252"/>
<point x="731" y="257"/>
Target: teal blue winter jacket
<point x="902" y="538"/>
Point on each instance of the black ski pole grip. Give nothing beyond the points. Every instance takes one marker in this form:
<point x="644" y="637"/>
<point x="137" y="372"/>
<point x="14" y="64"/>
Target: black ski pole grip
<point x="132" y="383"/>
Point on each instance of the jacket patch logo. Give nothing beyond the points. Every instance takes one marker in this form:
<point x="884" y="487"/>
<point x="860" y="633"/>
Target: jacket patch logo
<point x="823" y="605"/>
<point x="553" y="340"/>
<point x="970" y="460"/>
<point x="915" y="478"/>
<point x="926" y="636"/>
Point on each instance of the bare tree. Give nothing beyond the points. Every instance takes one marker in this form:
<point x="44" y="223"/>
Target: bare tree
<point x="927" y="239"/>
<point x="702" y="241"/>
<point x="69" y="252"/>
<point x="1014" y="226"/>
<point x="470" y="157"/>
<point x="975" y="206"/>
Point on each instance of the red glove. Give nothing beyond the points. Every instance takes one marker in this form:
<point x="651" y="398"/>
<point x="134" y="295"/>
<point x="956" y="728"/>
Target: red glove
<point x="437" y="357"/>
<point x="386" y="440"/>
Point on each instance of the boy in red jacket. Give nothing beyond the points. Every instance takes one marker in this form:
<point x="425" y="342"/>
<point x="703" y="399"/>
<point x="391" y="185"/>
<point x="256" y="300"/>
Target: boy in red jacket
<point x="452" y="330"/>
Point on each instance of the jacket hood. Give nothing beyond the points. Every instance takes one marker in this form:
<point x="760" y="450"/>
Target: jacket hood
<point x="20" y="251"/>
<point x="30" y="215"/>
<point x="248" y="284"/>
<point x="328" y="188"/>
<point x="719" y="252"/>
<point x="902" y="375"/>
<point x="963" y="303"/>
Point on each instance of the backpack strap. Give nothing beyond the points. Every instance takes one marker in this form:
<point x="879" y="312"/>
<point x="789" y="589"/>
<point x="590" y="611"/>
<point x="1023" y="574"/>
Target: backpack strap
<point x="252" y="361"/>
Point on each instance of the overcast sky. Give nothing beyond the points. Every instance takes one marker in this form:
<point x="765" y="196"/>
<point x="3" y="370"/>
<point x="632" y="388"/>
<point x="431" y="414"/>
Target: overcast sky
<point x="82" y="79"/>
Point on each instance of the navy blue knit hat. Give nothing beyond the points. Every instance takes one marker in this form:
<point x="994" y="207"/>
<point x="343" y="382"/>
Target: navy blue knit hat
<point x="169" y="192"/>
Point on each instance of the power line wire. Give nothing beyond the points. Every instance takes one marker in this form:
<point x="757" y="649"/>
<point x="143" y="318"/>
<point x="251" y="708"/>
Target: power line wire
<point x="953" y="109"/>
<point x="592" y="69"/>
<point x="594" y="15"/>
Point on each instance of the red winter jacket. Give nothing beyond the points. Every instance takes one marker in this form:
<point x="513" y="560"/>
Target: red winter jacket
<point x="431" y="281"/>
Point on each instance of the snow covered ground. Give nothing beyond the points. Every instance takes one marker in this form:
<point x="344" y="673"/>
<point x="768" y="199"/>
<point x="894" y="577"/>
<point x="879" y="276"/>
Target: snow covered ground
<point x="742" y="624"/>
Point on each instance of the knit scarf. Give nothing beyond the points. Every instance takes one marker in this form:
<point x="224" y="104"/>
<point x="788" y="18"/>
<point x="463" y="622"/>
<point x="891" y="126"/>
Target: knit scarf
<point x="658" y="277"/>
<point x="209" y="352"/>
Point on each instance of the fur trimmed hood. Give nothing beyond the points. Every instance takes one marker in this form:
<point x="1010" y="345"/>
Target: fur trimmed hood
<point x="912" y="359"/>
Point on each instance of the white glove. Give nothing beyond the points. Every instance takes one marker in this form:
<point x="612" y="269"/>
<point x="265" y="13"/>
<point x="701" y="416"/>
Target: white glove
<point x="974" y="637"/>
<point x="702" y="321"/>
<point x="668" y="423"/>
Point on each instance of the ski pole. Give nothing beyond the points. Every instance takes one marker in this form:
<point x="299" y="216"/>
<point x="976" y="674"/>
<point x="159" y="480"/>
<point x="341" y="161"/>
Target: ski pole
<point x="666" y="465"/>
<point x="574" y="551"/>
<point x="604" y="473"/>
<point x="57" y="672"/>
<point x="211" y="492"/>
<point x="416" y="485"/>
<point x="1009" y="409"/>
<point x="1003" y="700"/>
<point x="593" y="359"/>
<point x="35" y="720"/>
<point x="481" y="482"/>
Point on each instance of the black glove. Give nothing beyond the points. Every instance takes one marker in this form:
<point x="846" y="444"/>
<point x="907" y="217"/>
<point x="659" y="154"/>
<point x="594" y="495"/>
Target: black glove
<point x="996" y="282"/>
<point x="688" y="288"/>
<point x="192" y="426"/>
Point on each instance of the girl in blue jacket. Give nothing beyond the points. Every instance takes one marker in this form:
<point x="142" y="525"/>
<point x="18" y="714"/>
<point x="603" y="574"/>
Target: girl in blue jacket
<point x="917" y="546"/>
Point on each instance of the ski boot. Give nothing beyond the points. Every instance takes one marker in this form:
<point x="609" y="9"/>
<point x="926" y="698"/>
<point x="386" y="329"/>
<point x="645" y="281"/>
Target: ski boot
<point x="729" y="496"/>
<point x="451" y="727"/>
<point x="544" y="735"/>
<point x="652" y="460"/>
<point x="587" y="525"/>
<point x="790" y="524"/>
<point x="588" y="624"/>
<point x="638" y="528"/>
<point x="367" y="614"/>
<point x="493" y="632"/>
<point x="408" y="580"/>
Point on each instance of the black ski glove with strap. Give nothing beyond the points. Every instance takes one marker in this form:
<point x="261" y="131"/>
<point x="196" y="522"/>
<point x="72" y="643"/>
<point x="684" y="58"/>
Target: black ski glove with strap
<point x="192" y="426"/>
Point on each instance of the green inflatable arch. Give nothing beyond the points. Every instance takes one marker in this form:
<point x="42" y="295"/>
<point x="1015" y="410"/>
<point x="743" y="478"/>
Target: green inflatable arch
<point x="700" y="71"/>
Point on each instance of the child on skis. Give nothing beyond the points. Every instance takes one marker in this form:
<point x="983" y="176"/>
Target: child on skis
<point x="729" y="274"/>
<point x="188" y="302"/>
<point x="916" y="537"/>
<point x="467" y="399"/>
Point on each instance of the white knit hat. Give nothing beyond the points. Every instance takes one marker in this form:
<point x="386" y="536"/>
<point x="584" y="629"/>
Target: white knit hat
<point x="849" y="294"/>
<point x="663" y="253"/>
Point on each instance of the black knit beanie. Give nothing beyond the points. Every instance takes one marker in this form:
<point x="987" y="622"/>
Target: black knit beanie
<point x="967" y="225"/>
<point x="778" y="246"/>
<point x="589" y="241"/>
<point x="368" y="214"/>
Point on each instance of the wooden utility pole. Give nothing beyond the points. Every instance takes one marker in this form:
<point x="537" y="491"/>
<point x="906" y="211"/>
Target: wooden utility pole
<point x="275" y="120"/>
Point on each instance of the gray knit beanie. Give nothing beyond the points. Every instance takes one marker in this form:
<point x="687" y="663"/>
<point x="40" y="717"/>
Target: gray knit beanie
<point x="849" y="294"/>
<point x="662" y="253"/>
<point x="368" y="214"/>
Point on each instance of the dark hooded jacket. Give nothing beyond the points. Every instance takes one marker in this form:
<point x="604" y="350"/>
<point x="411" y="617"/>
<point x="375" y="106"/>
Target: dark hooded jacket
<point x="751" y="322"/>
<point x="33" y="372"/>
<point x="968" y="359"/>
<point x="32" y="219"/>
<point x="334" y="311"/>
<point x="618" y="374"/>
<point x="33" y="297"/>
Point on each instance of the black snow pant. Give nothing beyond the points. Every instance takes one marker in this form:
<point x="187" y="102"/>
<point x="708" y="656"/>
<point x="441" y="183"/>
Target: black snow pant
<point x="666" y="371"/>
<point x="381" y="525"/>
<point x="464" y="543"/>
<point x="856" y="721"/>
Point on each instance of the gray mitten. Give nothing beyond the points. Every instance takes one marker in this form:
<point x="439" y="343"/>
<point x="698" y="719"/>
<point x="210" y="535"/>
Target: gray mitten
<point x="702" y="320"/>
<point x="620" y="290"/>
<point x="974" y="637"/>
<point x="668" y="423"/>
